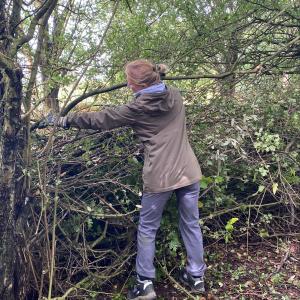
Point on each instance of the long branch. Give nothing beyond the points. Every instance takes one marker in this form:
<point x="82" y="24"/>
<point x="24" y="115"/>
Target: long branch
<point x="98" y="91"/>
<point x="121" y="85"/>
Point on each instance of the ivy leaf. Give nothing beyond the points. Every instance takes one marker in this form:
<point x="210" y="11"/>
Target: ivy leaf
<point x="174" y="243"/>
<point x="219" y="179"/>
<point x="233" y="220"/>
<point x="263" y="233"/>
<point x="260" y="190"/>
<point x="229" y="225"/>
<point x="203" y="184"/>
<point x="205" y="181"/>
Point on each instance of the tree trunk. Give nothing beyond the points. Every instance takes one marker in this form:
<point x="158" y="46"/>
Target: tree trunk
<point x="11" y="198"/>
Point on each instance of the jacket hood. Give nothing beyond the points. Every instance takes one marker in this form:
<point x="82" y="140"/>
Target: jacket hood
<point x="157" y="103"/>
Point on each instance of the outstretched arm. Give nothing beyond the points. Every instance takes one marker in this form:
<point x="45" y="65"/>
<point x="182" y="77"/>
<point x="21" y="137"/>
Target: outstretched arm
<point x="106" y="119"/>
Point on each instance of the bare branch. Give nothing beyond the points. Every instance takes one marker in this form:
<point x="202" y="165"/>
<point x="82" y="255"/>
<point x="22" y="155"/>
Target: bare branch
<point x="47" y="7"/>
<point x="92" y="57"/>
<point x="15" y="16"/>
<point x="36" y="62"/>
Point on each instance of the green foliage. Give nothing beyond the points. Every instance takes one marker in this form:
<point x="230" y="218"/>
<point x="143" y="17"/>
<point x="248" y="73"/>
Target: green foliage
<point x="229" y="229"/>
<point x="277" y="279"/>
<point x="174" y="243"/>
<point x="267" y="142"/>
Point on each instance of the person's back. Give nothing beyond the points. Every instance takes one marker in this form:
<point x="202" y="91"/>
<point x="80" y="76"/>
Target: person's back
<point x="170" y="162"/>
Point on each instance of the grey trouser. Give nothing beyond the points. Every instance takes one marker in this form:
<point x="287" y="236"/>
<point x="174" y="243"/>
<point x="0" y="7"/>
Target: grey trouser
<point x="150" y="216"/>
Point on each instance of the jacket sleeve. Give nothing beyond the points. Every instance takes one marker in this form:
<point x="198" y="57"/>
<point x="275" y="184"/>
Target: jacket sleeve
<point x="106" y="119"/>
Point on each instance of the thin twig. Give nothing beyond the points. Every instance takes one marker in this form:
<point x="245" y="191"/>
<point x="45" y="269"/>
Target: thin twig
<point x="53" y="235"/>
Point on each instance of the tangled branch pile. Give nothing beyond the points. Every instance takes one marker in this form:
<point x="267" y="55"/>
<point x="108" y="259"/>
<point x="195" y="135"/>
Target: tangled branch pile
<point x="85" y="195"/>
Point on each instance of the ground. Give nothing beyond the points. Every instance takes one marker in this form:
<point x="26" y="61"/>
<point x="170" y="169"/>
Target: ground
<point x="264" y="270"/>
<point x="260" y="271"/>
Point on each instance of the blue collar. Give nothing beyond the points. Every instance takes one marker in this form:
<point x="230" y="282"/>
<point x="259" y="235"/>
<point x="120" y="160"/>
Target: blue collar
<point x="156" y="88"/>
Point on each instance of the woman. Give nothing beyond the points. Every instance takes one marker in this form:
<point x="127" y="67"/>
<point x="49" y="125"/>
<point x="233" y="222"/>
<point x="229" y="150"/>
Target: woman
<point x="157" y="116"/>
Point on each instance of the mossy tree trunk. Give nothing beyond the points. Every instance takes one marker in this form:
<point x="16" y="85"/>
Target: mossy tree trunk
<point x="13" y="142"/>
<point x="11" y="196"/>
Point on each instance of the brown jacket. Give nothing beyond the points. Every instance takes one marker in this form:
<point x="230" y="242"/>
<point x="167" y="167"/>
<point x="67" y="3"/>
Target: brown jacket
<point x="158" y="119"/>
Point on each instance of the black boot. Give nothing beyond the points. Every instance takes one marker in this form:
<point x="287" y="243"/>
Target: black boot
<point x="142" y="290"/>
<point x="196" y="284"/>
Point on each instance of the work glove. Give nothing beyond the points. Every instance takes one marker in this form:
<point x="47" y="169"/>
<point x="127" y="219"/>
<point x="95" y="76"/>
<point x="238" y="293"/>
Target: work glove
<point x="53" y="119"/>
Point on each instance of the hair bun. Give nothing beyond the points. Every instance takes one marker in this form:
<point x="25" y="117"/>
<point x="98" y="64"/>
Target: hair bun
<point x="162" y="69"/>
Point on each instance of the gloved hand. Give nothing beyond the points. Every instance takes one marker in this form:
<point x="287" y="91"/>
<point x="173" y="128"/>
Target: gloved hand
<point x="53" y="119"/>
